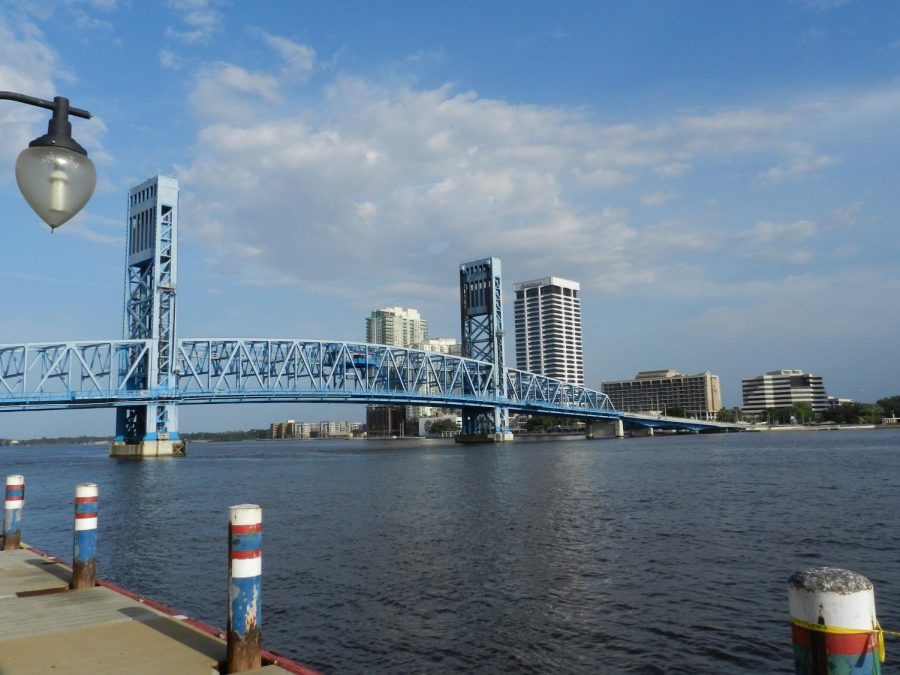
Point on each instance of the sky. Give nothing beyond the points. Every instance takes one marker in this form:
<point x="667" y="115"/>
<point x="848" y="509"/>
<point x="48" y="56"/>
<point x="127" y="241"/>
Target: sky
<point x="720" y="177"/>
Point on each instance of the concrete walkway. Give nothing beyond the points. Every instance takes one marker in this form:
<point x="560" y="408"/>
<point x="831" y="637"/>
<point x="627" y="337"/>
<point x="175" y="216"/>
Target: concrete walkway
<point x="45" y="628"/>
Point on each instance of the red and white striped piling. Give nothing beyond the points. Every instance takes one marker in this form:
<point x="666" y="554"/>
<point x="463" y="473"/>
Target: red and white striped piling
<point x="84" y="558"/>
<point x="12" y="512"/>
<point x="833" y="623"/>
<point x="244" y="588"/>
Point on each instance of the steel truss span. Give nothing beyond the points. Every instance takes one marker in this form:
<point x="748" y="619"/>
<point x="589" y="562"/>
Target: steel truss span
<point x="71" y="374"/>
<point x="233" y="370"/>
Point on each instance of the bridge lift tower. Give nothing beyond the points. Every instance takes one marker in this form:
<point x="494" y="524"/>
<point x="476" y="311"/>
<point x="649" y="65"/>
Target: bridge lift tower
<point x="481" y="305"/>
<point x="150" y="280"/>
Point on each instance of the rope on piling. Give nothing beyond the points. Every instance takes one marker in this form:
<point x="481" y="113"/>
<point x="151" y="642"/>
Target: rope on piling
<point x="837" y="630"/>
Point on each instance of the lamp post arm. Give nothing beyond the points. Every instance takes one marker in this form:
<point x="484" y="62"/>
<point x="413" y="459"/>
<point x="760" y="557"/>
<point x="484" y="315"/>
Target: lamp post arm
<point x="41" y="103"/>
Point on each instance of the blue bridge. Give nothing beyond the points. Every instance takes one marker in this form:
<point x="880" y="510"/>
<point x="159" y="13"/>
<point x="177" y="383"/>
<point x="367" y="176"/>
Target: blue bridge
<point x="151" y="372"/>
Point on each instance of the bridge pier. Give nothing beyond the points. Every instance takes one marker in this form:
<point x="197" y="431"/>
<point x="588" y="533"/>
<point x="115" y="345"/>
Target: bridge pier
<point x="485" y="426"/>
<point x="641" y="431"/>
<point x="470" y="439"/>
<point x="147" y="449"/>
<point x="604" y="429"/>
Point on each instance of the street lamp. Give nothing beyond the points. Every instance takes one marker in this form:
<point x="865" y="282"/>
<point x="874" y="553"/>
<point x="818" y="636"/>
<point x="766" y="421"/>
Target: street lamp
<point x="54" y="173"/>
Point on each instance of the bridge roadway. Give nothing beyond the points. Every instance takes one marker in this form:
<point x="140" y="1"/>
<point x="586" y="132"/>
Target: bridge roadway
<point x="102" y="374"/>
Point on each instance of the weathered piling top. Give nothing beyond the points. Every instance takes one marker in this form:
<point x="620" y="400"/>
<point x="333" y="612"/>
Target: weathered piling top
<point x="44" y="627"/>
<point x="829" y="580"/>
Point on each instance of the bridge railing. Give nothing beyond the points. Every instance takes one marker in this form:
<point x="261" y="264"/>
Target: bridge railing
<point x="231" y="366"/>
<point x="539" y="393"/>
<point x="69" y="371"/>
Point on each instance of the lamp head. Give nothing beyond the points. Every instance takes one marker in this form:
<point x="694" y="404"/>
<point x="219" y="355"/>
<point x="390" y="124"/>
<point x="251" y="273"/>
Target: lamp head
<point x="54" y="173"/>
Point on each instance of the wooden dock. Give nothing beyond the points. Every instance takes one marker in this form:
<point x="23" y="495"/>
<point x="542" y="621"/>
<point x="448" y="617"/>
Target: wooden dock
<point x="46" y="628"/>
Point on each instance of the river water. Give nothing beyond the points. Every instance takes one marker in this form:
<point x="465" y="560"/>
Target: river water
<point x="652" y="555"/>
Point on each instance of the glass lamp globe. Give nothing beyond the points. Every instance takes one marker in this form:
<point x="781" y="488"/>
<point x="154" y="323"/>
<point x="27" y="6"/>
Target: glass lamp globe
<point x="56" y="182"/>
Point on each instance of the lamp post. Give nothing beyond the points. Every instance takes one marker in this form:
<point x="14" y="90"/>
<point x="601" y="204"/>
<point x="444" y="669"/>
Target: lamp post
<point x="54" y="173"/>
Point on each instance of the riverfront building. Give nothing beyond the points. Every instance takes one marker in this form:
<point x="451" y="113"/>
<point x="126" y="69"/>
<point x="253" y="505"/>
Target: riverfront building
<point x="396" y="326"/>
<point x="440" y="345"/>
<point x="655" y="391"/>
<point x="548" y="328"/>
<point x="782" y="389"/>
<point x="327" y="429"/>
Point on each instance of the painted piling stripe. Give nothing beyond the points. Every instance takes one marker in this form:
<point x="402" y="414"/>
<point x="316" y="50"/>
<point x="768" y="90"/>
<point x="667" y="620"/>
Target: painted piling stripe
<point x="84" y="558"/>
<point x="12" y="512"/>
<point x="833" y="624"/>
<point x="244" y="587"/>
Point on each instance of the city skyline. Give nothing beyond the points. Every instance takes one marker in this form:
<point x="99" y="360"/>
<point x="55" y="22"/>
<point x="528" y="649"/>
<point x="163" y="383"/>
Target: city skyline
<point x="718" y="178"/>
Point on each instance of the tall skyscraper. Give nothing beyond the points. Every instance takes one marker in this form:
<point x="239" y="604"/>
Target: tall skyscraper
<point x="548" y="328"/>
<point x="396" y="326"/>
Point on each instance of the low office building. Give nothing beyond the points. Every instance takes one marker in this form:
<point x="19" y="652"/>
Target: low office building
<point x="655" y="391"/>
<point x="782" y="389"/>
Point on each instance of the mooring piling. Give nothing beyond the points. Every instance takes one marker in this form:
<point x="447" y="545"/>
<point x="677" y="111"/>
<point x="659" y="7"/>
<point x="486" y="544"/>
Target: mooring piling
<point x="12" y="512"/>
<point x="244" y="588"/>
<point x="84" y="558"/>
<point x="833" y="624"/>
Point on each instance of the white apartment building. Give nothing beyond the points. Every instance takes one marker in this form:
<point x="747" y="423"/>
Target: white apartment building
<point x="396" y="326"/>
<point x="782" y="389"/>
<point x="548" y="328"/>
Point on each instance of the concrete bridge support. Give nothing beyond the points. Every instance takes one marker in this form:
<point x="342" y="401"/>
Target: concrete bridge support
<point x="483" y="426"/>
<point x="604" y="429"/>
<point x="147" y="449"/>
<point x="639" y="432"/>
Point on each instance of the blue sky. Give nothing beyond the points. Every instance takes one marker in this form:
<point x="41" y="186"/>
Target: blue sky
<point x="720" y="177"/>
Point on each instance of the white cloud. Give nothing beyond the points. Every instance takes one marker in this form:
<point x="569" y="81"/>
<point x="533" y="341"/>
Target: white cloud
<point x="104" y="5"/>
<point x="778" y="242"/>
<point x="170" y="60"/>
<point x="673" y="169"/>
<point x="374" y="183"/>
<point x="226" y="90"/>
<point x="802" y="162"/>
<point x="201" y="19"/>
<point x="759" y="319"/>
<point x="766" y="232"/>
<point x="27" y="64"/>
<point x="84" y="21"/>
<point x="822" y="5"/>
<point x="658" y="198"/>
<point x="299" y="59"/>
<point x="89" y="226"/>
<point x="849" y="216"/>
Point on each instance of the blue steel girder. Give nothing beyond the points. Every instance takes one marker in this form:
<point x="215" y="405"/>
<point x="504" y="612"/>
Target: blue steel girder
<point x="259" y="366"/>
<point x="221" y="370"/>
<point x="70" y="371"/>
<point x="529" y="392"/>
